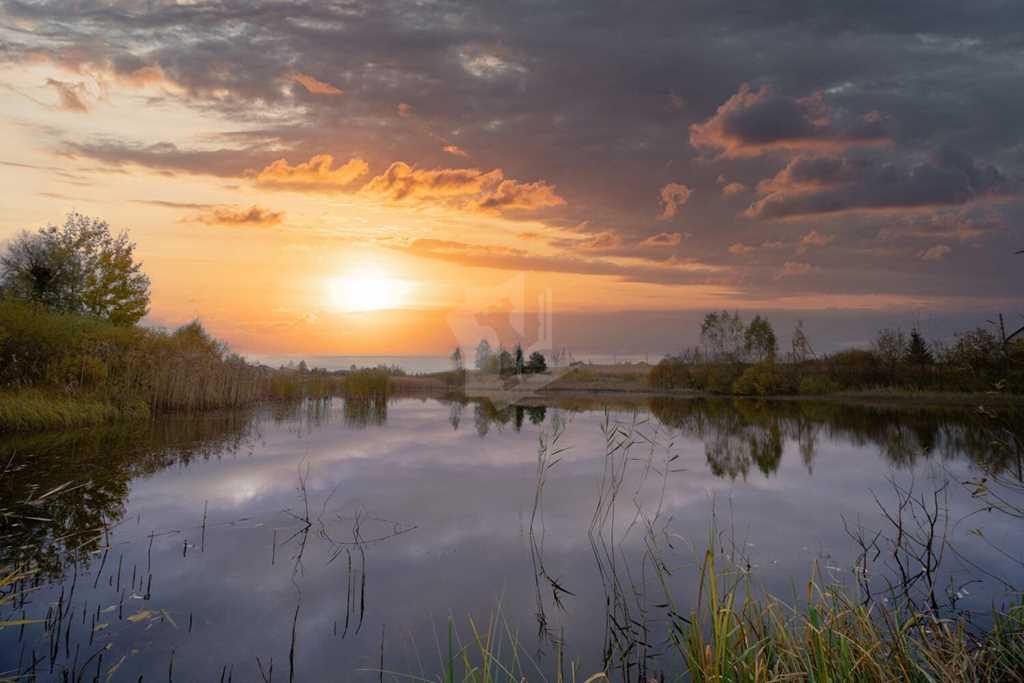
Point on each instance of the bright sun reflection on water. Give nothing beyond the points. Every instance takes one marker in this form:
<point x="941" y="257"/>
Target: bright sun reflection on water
<point x="367" y="290"/>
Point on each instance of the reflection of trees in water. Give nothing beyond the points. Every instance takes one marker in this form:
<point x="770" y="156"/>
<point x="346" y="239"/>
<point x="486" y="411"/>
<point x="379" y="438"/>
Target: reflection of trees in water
<point x="487" y="414"/>
<point x="363" y="412"/>
<point x="455" y="415"/>
<point x="737" y="433"/>
<point x="88" y="473"/>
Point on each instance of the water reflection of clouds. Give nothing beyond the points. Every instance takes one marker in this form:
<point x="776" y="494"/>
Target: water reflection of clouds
<point x="470" y="500"/>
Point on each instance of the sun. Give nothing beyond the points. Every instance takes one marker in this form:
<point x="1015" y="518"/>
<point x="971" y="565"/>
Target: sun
<point x="367" y="290"/>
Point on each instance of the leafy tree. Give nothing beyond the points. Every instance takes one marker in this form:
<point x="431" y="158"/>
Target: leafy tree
<point x="537" y="362"/>
<point x="519" y="362"/>
<point x="917" y="350"/>
<point x="723" y="336"/>
<point x="483" y="354"/>
<point x="457" y="358"/>
<point x="759" y="340"/>
<point x="79" y="267"/>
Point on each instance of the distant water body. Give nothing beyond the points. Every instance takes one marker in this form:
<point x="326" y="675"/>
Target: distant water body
<point x="423" y="364"/>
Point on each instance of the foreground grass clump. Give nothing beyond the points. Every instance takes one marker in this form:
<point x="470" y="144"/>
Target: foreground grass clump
<point x="33" y="410"/>
<point x="732" y="635"/>
<point x="735" y="635"/>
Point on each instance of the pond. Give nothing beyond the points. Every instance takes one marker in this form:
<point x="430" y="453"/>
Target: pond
<point x="336" y="540"/>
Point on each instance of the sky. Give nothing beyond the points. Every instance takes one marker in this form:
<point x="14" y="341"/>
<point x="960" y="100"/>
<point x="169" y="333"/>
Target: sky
<point x="345" y="177"/>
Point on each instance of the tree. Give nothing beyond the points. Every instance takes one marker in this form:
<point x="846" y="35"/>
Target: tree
<point x="483" y="354"/>
<point x="800" y="346"/>
<point x="537" y="363"/>
<point x="457" y="358"/>
<point x="505" y="363"/>
<point x="759" y="340"/>
<point x="79" y="267"/>
<point x="519" y="362"/>
<point x="722" y="335"/>
<point x="917" y="350"/>
<point x="891" y="347"/>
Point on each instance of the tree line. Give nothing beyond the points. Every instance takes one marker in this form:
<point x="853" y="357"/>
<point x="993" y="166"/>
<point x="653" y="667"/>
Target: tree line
<point x="500" y="361"/>
<point x="739" y="357"/>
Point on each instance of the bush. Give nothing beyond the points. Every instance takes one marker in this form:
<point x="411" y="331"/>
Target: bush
<point x="670" y="373"/>
<point x="818" y="385"/>
<point x="763" y="379"/>
<point x="720" y="378"/>
<point x="856" y="368"/>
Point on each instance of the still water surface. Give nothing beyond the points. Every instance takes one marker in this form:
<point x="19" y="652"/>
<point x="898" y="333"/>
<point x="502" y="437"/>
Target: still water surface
<point x="331" y="541"/>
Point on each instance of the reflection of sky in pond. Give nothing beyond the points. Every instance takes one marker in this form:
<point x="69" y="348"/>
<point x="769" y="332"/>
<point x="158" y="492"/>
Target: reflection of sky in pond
<point x="444" y="517"/>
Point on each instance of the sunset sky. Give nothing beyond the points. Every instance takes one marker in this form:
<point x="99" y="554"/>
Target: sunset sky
<point x="337" y="177"/>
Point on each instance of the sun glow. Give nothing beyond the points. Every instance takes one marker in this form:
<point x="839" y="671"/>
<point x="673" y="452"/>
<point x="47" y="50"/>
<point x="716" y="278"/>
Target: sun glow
<point x="367" y="290"/>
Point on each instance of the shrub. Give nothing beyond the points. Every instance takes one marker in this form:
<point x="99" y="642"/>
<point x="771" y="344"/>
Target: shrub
<point x="817" y="385"/>
<point x="856" y="368"/>
<point x="762" y="379"/>
<point x="670" y="373"/>
<point x="720" y="378"/>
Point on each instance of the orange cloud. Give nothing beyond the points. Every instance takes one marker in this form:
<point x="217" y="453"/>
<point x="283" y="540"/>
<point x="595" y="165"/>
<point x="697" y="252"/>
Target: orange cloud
<point x="456" y="150"/>
<point x="315" y="86"/>
<point x="733" y="189"/>
<point x="402" y="181"/>
<point x="814" y="239"/>
<point x="740" y="249"/>
<point x="404" y="109"/>
<point x="663" y="239"/>
<point x="673" y="196"/>
<point x="465" y="188"/>
<point x="514" y="195"/>
<point x="239" y="217"/>
<point x="316" y="174"/>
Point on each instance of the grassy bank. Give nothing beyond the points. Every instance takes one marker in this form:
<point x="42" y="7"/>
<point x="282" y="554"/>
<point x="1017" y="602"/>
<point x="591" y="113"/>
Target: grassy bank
<point x="61" y="370"/>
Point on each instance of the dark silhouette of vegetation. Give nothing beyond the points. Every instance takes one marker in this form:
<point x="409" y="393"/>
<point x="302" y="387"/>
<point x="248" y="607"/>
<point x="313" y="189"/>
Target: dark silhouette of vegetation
<point x="537" y="363"/>
<point x="735" y="358"/>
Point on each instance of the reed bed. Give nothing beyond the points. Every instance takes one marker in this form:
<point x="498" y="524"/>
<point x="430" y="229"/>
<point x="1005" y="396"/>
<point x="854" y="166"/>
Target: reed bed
<point x="734" y="634"/>
<point x="60" y="370"/>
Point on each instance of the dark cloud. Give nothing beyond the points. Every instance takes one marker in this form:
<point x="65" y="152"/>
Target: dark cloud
<point x="600" y="100"/>
<point x="756" y="121"/>
<point x="169" y="158"/>
<point x="822" y="185"/>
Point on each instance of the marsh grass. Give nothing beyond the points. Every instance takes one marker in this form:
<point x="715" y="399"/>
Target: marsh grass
<point x="367" y="383"/>
<point x="60" y="370"/>
<point x="34" y="410"/>
<point x="735" y="634"/>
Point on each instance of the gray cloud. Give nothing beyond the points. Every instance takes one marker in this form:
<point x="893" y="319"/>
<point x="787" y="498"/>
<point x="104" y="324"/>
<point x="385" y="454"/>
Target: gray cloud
<point x="822" y="185"/>
<point x="598" y="100"/>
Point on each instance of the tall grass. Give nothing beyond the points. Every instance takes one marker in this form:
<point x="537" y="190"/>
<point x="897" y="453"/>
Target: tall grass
<point x="734" y="634"/>
<point x="60" y="370"/>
